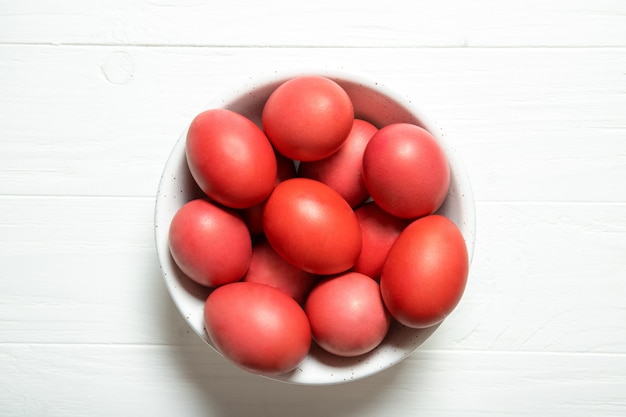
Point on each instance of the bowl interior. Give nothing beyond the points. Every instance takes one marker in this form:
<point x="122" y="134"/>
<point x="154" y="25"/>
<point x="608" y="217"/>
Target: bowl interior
<point x="372" y="102"/>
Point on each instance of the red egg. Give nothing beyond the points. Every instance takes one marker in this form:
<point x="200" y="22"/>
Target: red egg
<point x="343" y="170"/>
<point x="347" y="314"/>
<point x="312" y="227"/>
<point x="210" y="244"/>
<point x="406" y="171"/>
<point x="269" y="268"/>
<point x="259" y="328"/>
<point x="230" y="158"/>
<point x="379" y="231"/>
<point x="425" y="273"/>
<point x="308" y="117"/>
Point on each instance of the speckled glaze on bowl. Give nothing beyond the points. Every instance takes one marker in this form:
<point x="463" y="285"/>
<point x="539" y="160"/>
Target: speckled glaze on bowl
<point x="373" y="102"/>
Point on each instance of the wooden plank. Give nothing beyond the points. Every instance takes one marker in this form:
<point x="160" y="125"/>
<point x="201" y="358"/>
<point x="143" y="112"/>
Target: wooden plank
<point x="193" y="381"/>
<point x="102" y="120"/>
<point x="546" y="277"/>
<point x="323" y="23"/>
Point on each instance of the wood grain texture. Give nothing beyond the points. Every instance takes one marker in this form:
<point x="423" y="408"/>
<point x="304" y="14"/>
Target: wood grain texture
<point x="94" y="95"/>
<point x="325" y="23"/>
<point x="192" y="381"/>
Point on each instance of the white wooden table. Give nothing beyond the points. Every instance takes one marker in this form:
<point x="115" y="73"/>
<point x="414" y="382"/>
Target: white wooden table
<point x="94" y="95"/>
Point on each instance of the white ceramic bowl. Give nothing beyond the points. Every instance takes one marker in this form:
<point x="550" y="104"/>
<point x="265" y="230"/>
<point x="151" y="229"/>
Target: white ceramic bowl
<point x="373" y="102"/>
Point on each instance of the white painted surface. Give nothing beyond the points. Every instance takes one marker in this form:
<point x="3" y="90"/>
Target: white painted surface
<point x="93" y="97"/>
